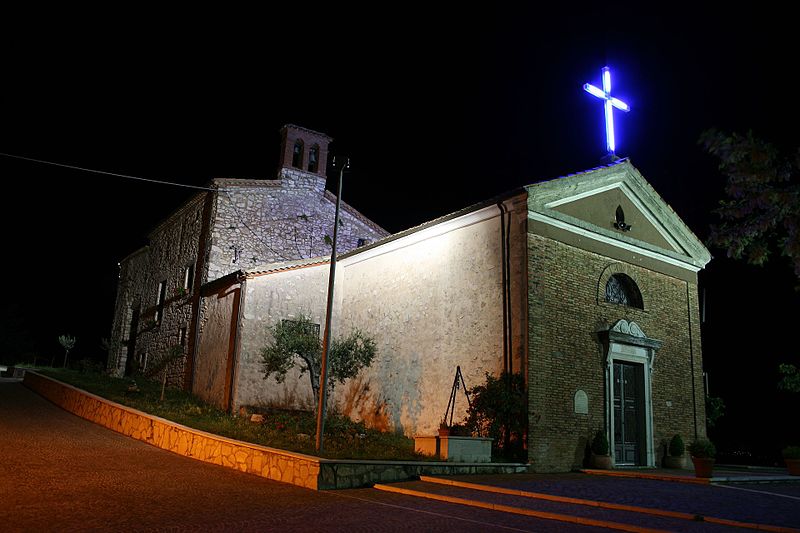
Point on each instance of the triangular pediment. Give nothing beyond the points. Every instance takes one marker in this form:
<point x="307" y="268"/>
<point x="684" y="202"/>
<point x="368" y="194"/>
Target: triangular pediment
<point x="616" y="206"/>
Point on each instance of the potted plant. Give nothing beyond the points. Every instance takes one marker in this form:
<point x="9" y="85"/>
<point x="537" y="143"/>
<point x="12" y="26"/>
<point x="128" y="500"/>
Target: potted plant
<point x="791" y="455"/>
<point x="676" y="449"/>
<point x="702" y="452"/>
<point x="460" y="430"/>
<point x="600" y="454"/>
<point x="444" y="429"/>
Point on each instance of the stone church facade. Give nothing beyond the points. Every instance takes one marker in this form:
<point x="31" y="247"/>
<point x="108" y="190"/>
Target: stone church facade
<point x="235" y="224"/>
<point x="585" y="284"/>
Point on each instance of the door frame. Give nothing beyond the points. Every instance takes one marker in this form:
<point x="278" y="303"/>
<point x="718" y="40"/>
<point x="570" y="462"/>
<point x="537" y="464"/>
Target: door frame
<point x="626" y="342"/>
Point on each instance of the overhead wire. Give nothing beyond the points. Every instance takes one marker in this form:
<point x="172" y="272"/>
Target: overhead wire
<point x="95" y="171"/>
<point x="160" y="182"/>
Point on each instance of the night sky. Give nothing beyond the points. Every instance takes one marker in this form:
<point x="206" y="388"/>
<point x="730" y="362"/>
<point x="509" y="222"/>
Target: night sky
<point x="437" y="109"/>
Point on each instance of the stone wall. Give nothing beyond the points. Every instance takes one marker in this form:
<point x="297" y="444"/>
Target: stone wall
<point x="260" y="222"/>
<point x="271" y="463"/>
<point x="279" y="465"/>
<point x="252" y="223"/>
<point x="567" y="315"/>
<point x="174" y="247"/>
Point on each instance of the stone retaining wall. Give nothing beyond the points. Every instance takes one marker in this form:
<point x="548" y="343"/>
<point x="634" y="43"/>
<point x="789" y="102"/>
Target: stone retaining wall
<point x="294" y="468"/>
<point x="279" y="465"/>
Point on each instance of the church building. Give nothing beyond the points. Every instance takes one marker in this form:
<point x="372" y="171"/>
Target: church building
<point x="585" y="284"/>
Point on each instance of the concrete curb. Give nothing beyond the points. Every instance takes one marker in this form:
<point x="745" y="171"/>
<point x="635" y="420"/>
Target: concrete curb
<point x="689" y="479"/>
<point x="647" y="475"/>
<point x="517" y="510"/>
<point x="607" y="505"/>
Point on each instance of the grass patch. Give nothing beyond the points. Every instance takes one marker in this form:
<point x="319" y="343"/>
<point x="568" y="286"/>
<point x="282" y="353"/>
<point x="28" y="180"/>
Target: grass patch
<point x="287" y="430"/>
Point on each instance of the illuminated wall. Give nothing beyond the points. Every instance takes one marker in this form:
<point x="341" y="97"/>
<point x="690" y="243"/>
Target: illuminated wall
<point x="433" y="299"/>
<point x="268" y="299"/>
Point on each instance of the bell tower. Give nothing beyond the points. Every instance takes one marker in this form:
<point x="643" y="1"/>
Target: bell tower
<point x="304" y="150"/>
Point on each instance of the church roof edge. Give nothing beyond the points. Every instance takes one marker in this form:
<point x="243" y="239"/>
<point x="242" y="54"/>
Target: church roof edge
<point x="622" y="171"/>
<point x="328" y="195"/>
<point x="286" y="266"/>
<point x="425" y="225"/>
<point x="625" y="161"/>
<point x="307" y="130"/>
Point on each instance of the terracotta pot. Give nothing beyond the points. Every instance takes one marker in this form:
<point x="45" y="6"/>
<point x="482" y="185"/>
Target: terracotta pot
<point x="703" y="466"/>
<point x="602" y="462"/>
<point x="793" y="465"/>
<point x="444" y="432"/>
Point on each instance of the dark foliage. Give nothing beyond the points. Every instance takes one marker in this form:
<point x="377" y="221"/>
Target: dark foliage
<point x="702" y="448"/>
<point x="715" y="408"/>
<point x="600" y="443"/>
<point x="676" y="446"/>
<point x="761" y="210"/>
<point x="790" y="378"/>
<point x="500" y="411"/>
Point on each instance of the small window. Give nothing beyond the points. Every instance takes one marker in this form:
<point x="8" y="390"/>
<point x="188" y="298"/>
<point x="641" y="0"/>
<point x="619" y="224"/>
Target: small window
<point x="297" y="154"/>
<point x="182" y="336"/>
<point x="621" y="289"/>
<point x="362" y="242"/>
<point x="313" y="158"/>
<point x="162" y="296"/>
<point x="188" y="278"/>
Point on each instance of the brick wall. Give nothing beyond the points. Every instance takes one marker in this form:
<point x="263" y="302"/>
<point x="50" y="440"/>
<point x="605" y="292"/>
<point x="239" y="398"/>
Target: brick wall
<point x="567" y="312"/>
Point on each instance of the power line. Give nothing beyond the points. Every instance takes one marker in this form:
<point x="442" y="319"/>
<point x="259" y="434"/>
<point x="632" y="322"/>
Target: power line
<point x="126" y="176"/>
<point x="160" y="182"/>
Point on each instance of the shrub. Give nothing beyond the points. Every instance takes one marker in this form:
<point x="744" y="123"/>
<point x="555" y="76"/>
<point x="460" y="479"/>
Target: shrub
<point x="676" y="447"/>
<point x="460" y="430"/>
<point x="715" y="409"/>
<point x="600" y="443"/>
<point x="87" y="365"/>
<point x="702" y="448"/>
<point x="499" y="409"/>
<point x="791" y="452"/>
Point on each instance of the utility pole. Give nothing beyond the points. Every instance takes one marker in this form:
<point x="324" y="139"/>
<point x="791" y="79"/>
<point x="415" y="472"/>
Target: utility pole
<point x="326" y="337"/>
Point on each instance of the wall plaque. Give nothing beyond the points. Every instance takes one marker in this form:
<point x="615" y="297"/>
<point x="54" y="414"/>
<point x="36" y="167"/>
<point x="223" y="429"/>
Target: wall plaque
<point x="581" y="403"/>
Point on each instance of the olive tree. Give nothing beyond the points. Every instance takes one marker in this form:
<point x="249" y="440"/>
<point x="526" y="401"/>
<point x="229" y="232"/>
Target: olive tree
<point x="297" y="343"/>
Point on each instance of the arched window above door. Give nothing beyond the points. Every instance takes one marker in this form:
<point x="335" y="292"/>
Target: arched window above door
<point x="621" y="289"/>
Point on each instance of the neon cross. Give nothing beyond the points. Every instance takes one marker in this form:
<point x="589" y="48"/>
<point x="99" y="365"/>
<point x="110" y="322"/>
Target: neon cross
<point x="610" y="102"/>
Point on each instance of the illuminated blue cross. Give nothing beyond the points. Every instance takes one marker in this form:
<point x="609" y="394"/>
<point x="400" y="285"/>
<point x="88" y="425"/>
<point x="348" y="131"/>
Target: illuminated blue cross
<point x="610" y="103"/>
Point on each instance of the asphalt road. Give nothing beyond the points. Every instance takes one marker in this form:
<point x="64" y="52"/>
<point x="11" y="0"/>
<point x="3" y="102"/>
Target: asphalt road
<point x="61" y="473"/>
